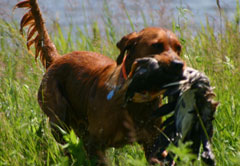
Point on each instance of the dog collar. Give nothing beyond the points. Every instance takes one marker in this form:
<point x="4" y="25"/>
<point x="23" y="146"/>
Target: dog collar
<point x="124" y="68"/>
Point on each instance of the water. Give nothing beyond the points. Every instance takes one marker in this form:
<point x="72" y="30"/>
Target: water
<point x="156" y="12"/>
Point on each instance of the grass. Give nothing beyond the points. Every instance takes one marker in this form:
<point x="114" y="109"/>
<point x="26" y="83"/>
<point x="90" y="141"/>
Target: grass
<point x="25" y="137"/>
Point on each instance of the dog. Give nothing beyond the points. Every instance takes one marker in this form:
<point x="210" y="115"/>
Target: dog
<point x="77" y="88"/>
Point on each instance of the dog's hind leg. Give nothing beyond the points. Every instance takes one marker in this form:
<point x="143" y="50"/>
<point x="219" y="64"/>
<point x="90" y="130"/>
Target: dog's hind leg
<point x="55" y="106"/>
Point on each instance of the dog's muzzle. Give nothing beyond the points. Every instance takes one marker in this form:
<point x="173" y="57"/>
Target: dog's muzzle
<point x="148" y="78"/>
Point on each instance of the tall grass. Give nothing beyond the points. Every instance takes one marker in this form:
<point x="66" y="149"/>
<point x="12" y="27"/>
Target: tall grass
<point x="25" y="136"/>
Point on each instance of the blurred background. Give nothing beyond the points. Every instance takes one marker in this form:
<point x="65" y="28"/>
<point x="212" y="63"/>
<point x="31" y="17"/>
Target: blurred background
<point x="127" y="14"/>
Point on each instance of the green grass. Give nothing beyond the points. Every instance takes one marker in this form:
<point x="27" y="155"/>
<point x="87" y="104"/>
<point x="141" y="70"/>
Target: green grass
<point x="25" y="137"/>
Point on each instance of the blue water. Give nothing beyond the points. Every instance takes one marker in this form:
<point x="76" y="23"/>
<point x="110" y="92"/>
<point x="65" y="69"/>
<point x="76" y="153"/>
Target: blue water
<point x="156" y="12"/>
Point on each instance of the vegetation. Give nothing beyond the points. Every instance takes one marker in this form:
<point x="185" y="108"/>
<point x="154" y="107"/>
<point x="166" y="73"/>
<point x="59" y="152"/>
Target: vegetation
<point x="25" y="136"/>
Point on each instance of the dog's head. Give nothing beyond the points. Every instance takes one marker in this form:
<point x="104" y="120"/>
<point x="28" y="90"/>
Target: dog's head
<point x="155" y="50"/>
<point x="158" y="43"/>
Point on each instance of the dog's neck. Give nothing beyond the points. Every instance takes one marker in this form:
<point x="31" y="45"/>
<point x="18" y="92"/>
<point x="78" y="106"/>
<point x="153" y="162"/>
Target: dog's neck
<point x="117" y="82"/>
<point x="117" y="78"/>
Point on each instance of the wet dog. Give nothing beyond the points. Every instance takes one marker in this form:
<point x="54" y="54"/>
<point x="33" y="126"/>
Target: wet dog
<point x="78" y="89"/>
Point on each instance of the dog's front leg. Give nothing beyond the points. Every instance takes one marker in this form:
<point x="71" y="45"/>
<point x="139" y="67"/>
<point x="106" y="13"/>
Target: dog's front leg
<point x="95" y="152"/>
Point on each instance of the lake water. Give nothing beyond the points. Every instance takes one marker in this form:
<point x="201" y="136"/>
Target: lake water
<point x="140" y="12"/>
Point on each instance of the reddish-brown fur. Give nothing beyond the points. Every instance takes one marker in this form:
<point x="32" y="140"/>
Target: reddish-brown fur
<point x="74" y="89"/>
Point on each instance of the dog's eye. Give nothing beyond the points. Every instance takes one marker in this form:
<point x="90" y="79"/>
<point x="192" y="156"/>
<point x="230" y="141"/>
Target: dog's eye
<point x="158" y="46"/>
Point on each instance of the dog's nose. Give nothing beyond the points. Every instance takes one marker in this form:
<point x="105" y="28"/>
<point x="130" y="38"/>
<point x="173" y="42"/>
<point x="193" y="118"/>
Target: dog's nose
<point x="177" y="64"/>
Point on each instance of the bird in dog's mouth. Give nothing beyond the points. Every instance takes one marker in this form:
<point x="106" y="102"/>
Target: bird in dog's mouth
<point x="190" y="103"/>
<point x="149" y="79"/>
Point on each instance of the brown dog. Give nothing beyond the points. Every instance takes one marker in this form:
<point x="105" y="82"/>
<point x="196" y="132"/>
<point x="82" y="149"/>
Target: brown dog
<point x="75" y="88"/>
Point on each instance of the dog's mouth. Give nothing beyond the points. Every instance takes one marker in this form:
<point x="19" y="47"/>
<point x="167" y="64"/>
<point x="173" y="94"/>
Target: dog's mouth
<point x="149" y="80"/>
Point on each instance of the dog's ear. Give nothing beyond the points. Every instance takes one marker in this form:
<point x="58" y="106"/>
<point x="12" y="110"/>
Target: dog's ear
<point x="126" y="43"/>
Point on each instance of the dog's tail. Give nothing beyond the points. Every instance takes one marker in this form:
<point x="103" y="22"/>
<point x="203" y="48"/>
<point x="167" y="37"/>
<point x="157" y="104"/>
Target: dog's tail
<point x="37" y="33"/>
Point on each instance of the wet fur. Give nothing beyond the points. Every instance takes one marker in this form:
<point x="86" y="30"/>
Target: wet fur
<point x="74" y="88"/>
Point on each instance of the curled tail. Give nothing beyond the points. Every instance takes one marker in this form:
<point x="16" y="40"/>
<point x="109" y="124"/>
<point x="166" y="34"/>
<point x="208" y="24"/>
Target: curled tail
<point x="37" y="33"/>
